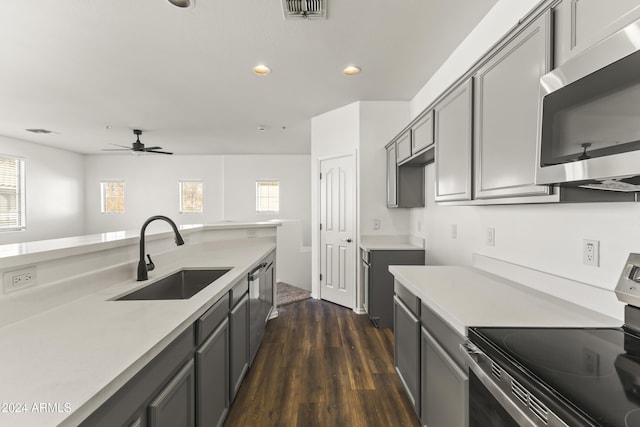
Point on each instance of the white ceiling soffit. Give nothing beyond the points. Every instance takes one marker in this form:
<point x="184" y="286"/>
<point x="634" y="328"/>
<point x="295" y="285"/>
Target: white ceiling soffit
<point x="305" y="9"/>
<point x="184" y="75"/>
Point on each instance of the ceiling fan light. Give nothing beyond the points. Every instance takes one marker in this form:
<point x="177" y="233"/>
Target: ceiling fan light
<point x="182" y="3"/>
<point x="261" y="70"/>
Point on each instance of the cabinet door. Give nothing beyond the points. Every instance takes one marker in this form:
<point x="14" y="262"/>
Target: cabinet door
<point x="174" y="406"/>
<point x="453" y="134"/>
<point x="507" y="99"/>
<point x="582" y="23"/>
<point x="392" y="174"/>
<point x="422" y="133"/>
<point x="444" y="387"/>
<point x="239" y="344"/>
<point x="407" y="350"/>
<point x="404" y="147"/>
<point x="212" y="373"/>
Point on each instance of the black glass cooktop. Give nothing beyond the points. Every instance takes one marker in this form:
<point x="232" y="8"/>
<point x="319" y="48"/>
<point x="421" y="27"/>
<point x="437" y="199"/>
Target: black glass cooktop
<point x="594" y="372"/>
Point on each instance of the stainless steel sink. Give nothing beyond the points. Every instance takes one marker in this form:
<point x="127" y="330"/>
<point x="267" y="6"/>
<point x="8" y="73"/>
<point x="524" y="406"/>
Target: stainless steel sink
<point x="182" y="284"/>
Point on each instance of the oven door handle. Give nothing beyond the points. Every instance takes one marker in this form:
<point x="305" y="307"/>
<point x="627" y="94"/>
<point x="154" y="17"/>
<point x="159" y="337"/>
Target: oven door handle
<point x="473" y="358"/>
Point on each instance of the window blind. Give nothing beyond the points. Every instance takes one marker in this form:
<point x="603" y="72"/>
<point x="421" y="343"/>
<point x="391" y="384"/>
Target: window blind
<point x="12" y="203"/>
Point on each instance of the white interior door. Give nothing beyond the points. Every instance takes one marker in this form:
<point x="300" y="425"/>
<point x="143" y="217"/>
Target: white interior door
<point x="337" y="234"/>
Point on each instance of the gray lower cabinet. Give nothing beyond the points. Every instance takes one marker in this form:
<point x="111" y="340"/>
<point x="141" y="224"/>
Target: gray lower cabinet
<point x="239" y="344"/>
<point x="444" y="386"/>
<point x="507" y="98"/>
<point x="378" y="282"/>
<point x="453" y="139"/>
<point x="212" y="378"/>
<point x="406" y="333"/>
<point x="175" y="405"/>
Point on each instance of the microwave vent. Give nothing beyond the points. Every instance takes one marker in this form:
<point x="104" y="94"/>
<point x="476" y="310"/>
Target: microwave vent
<point x="304" y="9"/>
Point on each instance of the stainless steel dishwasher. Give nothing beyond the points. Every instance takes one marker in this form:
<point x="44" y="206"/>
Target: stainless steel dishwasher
<point x="256" y="318"/>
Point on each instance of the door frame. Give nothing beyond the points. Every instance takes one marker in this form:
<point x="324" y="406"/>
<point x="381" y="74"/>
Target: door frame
<point x="356" y="223"/>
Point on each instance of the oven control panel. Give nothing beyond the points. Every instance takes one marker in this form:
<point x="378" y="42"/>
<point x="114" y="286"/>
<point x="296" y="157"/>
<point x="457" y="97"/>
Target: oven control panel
<point x="628" y="288"/>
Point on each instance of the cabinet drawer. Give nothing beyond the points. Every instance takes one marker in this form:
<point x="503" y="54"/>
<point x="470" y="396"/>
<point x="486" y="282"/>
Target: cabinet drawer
<point x="210" y="320"/>
<point x="238" y="291"/>
<point x="404" y="147"/>
<point x="408" y="298"/>
<point x="449" y="339"/>
<point x="422" y="133"/>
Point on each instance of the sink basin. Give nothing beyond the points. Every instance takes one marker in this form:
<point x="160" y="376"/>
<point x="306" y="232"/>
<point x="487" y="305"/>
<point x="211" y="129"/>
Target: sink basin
<point x="182" y="284"/>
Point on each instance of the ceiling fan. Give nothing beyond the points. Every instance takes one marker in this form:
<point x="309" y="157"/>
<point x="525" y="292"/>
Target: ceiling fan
<point x="137" y="146"/>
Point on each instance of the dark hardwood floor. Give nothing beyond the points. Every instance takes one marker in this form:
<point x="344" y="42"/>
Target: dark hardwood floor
<point x="322" y="365"/>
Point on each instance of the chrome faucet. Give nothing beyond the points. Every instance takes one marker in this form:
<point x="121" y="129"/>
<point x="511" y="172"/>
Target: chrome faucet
<point x="143" y="267"/>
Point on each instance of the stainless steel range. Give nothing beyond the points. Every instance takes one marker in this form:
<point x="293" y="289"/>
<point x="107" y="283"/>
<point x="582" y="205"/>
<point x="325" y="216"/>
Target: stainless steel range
<point x="559" y="376"/>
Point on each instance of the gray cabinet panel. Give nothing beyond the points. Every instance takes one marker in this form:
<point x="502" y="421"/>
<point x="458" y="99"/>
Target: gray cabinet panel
<point x="210" y="320"/>
<point x="392" y="174"/>
<point x="239" y="344"/>
<point x="444" y="387"/>
<point x="404" y="147"/>
<point x="453" y="135"/>
<point x="507" y="98"/>
<point x="582" y="23"/>
<point x="212" y="385"/>
<point x="422" y="133"/>
<point x="407" y="350"/>
<point x="379" y="283"/>
<point x="174" y="406"/>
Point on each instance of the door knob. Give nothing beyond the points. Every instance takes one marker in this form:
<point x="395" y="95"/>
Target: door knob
<point x="348" y="240"/>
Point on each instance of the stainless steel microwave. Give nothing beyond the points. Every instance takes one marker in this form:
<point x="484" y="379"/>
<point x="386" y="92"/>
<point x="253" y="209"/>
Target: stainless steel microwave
<point x="590" y="117"/>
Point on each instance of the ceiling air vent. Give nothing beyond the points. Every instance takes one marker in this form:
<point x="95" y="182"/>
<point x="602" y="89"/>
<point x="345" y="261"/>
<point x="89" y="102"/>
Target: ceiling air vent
<point x="304" y="9"/>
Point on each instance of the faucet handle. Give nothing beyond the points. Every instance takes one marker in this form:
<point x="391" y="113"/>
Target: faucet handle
<point x="150" y="265"/>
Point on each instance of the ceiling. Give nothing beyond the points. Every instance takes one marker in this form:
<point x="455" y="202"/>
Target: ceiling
<point x="184" y="76"/>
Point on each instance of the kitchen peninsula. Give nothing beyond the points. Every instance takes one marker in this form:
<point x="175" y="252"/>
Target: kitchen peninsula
<point x="68" y="346"/>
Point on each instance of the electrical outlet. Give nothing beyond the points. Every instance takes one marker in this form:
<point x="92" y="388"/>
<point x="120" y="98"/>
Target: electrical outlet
<point x="591" y="252"/>
<point x="419" y="225"/>
<point x="376" y="224"/>
<point x="491" y="236"/>
<point x="454" y="231"/>
<point x="251" y="232"/>
<point x="19" y="279"/>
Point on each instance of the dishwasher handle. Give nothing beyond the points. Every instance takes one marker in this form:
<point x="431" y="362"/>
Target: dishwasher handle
<point x="257" y="269"/>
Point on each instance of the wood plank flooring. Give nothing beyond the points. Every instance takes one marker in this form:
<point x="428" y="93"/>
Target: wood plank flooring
<point x="322" y="365"/>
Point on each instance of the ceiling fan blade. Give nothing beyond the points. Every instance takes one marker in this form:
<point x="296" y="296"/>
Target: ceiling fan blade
<point x="116" y="149"/>
<point x="153" y="148"/>
<point x="157" y="152"/>
<point x="122" y="146"/>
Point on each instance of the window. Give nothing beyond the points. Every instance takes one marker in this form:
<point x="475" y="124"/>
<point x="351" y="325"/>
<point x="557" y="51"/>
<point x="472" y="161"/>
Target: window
<point x="191" y="197"/>
<point x="112" y="197"/>
<point x="12" y="200"/>
<point x="267" y="196"/>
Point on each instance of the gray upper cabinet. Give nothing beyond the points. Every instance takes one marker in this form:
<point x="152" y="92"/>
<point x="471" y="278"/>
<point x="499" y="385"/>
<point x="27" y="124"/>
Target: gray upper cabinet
<point x="453" y="139"/>
<point x="581" y="23"/>
<point x="404" y="147"/>
<point x="422" y="133"/>
<point x="392" y="177"/>
<point x="507" y="98"/>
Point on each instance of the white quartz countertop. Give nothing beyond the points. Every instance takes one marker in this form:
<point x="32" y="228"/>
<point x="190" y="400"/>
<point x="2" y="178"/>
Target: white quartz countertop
<point x="78" y="354"/>
<point x="389" y="243"/>
<point x="466" y="297"/>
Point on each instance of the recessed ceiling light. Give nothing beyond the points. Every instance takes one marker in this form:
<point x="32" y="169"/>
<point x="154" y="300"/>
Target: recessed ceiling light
<point x="182" y="3"/>
<point x="261" y="128"/>
<point x="351" y="70"/>
<point x="261" y="70"/>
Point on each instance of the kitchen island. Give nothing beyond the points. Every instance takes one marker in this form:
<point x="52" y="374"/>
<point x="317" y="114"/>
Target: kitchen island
<point x="71" y="352"/>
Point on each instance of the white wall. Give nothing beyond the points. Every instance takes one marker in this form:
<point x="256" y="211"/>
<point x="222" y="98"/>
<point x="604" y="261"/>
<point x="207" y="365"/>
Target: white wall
<point x="241" y="173"/>
<point x="151" y="188"/>
<point x="547" y="237"/>
<point x="380" y="121"/>
<point x="54" y="191"/>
